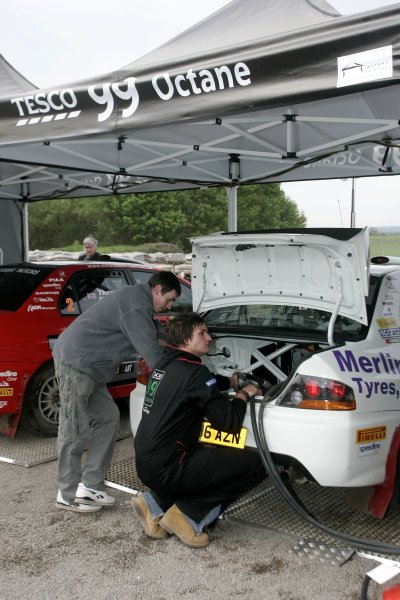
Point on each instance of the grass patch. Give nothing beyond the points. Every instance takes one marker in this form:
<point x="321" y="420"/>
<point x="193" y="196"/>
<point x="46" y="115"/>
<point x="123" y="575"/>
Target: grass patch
<point x="384" y="245"/>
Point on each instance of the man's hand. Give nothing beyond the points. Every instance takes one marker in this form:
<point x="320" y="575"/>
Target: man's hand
<point x="246" y="392"/>
<point x="252" y="390"/>
<point x="238" y="381"/>
<point x="234" y="381"/>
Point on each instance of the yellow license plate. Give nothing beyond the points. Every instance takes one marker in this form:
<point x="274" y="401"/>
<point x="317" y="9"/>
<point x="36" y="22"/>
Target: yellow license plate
<point x="209" y="435"/>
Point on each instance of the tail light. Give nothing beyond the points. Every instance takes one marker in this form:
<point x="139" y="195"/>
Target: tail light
<point x="318" y="393"/>
<point x="143" y="372"/>
<point x="392" y="593"/>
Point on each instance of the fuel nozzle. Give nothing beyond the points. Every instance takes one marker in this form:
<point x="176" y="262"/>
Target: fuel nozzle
<point x="246" y="378"/>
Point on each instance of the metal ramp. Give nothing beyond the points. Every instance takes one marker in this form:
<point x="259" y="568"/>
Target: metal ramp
<point x="264" y="507"/>
<point x="28" y="449"/>
<point x="261" y="507"/>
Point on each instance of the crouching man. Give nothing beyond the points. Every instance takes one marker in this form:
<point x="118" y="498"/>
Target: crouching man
<point x="190" y="484"/>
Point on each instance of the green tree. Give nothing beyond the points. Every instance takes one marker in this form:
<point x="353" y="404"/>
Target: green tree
<point x="176" y="216"/>
<point x="266" y="206"/>
<point x="172" y="217"/>
<point x="56" y="224"/>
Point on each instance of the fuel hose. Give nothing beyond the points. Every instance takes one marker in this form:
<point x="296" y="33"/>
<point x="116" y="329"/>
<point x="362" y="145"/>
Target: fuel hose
<point x="289" y="495"/>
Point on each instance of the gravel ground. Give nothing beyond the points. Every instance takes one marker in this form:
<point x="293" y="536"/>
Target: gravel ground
<point x="48" y="553"/>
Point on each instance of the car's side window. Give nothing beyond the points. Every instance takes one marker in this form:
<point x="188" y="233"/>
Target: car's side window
<point x="88" y="287"/>
<point x="183" y="303"/>
<point x="141" y="276"/>
<point x="68" y="302"/>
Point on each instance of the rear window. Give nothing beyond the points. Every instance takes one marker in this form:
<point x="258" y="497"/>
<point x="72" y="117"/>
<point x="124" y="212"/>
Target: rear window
<point x="17" y="284"/>
<point x="283" y="320"/>
<point x="291" y="321"/>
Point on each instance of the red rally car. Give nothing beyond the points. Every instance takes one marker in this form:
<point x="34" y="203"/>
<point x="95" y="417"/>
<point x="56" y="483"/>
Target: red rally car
<point x="37" y="302"/>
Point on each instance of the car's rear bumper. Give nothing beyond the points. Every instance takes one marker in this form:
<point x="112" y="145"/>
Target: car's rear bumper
<point x="339" y="449"/>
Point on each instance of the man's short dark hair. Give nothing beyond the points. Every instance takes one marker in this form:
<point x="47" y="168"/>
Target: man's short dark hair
<point x="167" y="280"/>
<point x="180" y="329"/>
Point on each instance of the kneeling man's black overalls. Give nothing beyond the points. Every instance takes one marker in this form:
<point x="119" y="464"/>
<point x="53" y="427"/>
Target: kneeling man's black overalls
<point x="170" y="460"/>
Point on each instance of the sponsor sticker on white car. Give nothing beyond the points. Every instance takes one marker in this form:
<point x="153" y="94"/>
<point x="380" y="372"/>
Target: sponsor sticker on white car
<point x="369" y="440"/>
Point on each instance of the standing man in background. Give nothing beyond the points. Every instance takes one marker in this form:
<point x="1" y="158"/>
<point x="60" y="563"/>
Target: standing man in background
<point x="90" y="246"/>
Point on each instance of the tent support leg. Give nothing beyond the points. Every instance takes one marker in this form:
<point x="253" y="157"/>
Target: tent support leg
<point x="232" y="208"/>
<point x="353" y="205"/>
<point x="25" y="232"/>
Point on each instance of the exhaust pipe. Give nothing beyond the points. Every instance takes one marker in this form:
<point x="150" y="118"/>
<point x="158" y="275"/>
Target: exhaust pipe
<point x="290" y="475"/>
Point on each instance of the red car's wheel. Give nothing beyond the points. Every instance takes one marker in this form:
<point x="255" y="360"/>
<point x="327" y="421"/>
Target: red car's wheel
<point x="42" y="402"/>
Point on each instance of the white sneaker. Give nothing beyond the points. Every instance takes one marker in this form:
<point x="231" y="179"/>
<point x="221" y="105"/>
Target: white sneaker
<point x="75" y="506"/>
<point x="91" y="497"/>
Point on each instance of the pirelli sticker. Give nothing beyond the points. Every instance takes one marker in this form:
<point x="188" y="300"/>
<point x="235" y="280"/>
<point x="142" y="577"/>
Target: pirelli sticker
<point x="369" y="441"/>
<point x="6" y="391"/>
<point x="371" y="434"/>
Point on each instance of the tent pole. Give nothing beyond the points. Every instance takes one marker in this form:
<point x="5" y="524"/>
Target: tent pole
<point x="25" y="232"/>
<point x="232" y="208"/>
<point x="353" y="205"/>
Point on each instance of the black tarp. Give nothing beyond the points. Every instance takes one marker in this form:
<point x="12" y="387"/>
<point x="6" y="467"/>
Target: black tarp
<point x="12" y="234"/>
<point x="13" y="237"/>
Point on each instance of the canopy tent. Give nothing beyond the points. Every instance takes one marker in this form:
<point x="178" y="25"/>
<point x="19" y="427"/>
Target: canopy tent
<point x="261" y="91"/>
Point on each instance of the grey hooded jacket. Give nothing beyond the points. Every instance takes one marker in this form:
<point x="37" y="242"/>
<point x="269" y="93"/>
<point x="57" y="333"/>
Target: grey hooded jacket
<point x="109" y="332"/>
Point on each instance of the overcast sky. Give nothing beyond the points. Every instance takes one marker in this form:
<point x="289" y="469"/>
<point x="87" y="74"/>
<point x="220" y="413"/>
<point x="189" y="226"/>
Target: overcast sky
<point x="59" y="41"/>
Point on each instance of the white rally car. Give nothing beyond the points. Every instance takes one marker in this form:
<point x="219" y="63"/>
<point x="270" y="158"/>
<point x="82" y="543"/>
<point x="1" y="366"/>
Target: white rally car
<point x="306" y="313"/>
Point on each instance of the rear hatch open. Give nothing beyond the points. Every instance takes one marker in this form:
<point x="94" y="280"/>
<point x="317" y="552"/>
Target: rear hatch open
<point x="324" y="269"/>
